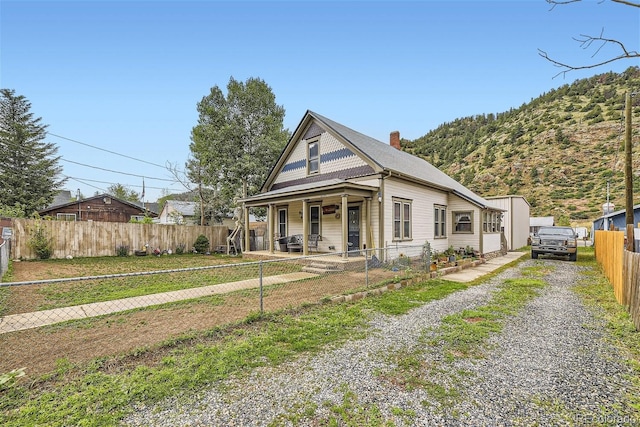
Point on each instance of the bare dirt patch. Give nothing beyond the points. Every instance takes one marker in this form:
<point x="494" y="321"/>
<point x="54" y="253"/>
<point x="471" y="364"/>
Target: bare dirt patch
<point x="40" y="350"/>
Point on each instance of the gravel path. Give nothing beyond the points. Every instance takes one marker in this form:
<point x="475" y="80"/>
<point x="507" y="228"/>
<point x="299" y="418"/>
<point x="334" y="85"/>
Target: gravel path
<point x="549" y="366"/>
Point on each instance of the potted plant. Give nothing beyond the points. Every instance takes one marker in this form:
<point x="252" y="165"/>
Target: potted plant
<point x="451" y="254"/>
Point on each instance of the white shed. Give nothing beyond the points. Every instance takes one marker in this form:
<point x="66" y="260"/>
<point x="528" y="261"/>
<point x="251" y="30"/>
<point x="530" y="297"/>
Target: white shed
<point x="516" y="219"/>
<point x="535" y="222"/>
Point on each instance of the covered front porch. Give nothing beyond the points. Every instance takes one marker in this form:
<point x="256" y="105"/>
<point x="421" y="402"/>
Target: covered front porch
<point x="335" y="217"/>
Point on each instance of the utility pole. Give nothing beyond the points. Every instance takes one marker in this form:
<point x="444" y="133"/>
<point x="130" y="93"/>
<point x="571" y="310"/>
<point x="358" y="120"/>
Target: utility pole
<point x="628" y="176"/>
<point x="79" y="207"/>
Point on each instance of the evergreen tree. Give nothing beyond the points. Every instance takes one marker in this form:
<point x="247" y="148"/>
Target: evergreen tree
<point x="123" y="192"/>
<point x="29" y="169"/>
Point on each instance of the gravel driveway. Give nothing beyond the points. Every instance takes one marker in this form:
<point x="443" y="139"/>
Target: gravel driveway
<point x="550" y="365"/>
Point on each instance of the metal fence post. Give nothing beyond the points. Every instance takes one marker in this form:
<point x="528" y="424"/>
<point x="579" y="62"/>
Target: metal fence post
<point x="261" y="295"/>
<point x="366" y="268"/>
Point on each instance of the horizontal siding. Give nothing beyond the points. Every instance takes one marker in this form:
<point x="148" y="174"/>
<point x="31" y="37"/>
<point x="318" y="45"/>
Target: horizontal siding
<point x="375" y="224"/>
<point x="330" y="226"/>
<point x="463" y="240"/>
<point x="373" y="182"/>
<point x="491" y="242"/>
<point x="422" y="204"/>
<point x="423" y="201"/>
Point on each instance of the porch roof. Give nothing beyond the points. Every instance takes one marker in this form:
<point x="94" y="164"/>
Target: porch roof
<point x="331" y="187"/>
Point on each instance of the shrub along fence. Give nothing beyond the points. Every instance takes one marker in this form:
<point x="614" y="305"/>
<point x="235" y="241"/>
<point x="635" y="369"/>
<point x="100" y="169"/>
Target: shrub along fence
<point x="92" y="239"/>
<point x="622" y="268"/>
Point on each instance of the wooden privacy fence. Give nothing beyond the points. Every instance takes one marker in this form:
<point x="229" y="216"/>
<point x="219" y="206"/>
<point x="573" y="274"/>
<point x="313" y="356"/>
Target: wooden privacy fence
<point x="622" y="268"/>
<point x="630" y="295"/>
<point x="93" y="238"/>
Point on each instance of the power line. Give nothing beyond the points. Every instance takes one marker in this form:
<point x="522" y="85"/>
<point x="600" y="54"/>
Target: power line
<point x="111" y="152"/>
<point x="113" y="171"/>
<point x="82" y="180"/>
<point x="105" y="150"/>
<point x="84" y="183"/>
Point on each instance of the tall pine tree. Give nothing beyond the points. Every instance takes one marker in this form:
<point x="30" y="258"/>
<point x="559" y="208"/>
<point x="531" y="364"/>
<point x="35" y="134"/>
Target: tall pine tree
<point x="29" y="169"/>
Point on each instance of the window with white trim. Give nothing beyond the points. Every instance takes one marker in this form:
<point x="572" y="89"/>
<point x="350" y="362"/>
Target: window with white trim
<point x="313" y="157"/>
<point x="66" y="217"/>
<point x="282" y="222"/>
<point x="440" y="221"/>
<point x="491" y="221"/>
<point x="463" y="222"/>
<point x="401" y="219"/>
<point x="314" y="219"/>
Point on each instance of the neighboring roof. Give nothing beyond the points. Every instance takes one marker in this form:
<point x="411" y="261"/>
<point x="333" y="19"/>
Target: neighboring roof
<point x="183" y="208"/>
<point x="152" y="207"/>
<point x="388" y="158"/>
<point x="540" y="221"/>
<point x="508" y="196"/>
<point x="619" y="212"/>
<point x="97" y="196"/>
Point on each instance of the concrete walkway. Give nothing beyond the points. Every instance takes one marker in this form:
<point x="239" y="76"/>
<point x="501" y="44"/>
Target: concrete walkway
<point x="470" y="274"/>
<point x="21" y="321"/>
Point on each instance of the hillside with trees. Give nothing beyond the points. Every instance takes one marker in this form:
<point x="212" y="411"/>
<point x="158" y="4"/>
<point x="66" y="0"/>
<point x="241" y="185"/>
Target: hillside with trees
<point x="559" y="150"/>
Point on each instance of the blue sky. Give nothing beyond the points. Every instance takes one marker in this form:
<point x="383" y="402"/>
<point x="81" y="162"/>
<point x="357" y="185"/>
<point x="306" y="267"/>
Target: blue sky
<point x="125" y="76"/>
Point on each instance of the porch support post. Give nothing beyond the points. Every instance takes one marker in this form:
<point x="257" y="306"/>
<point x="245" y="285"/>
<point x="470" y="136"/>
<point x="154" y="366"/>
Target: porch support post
<point x="483" y="214"/>
<point x="247" y="235"/>
<point x="270" y="227"/>
<point x="381" y="239"/>
<point x="345" y="226"/>
<point x="369" y="234"/>
<point x="305" y="227"/>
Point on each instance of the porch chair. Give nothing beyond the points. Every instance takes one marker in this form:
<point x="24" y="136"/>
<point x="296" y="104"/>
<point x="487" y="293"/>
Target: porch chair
<point x="294" y="243"/>
<point x="313" y="242"/>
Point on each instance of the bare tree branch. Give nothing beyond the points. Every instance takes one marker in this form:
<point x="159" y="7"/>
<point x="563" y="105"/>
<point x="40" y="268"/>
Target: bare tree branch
<point x="627" y="3"/>
<point x="179" y="175"/>
<point x="587" y="41"/>
<point x="555" y="3"/>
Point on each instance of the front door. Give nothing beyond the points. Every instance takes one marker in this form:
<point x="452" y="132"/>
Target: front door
<point x="354" y="228"/>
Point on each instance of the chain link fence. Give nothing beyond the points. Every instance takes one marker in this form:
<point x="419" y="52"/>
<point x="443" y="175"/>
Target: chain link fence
<point x="54" y="318"/>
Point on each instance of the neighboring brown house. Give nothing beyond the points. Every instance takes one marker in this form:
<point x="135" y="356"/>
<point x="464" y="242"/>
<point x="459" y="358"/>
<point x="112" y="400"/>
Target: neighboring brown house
<point x="103" y="207"/>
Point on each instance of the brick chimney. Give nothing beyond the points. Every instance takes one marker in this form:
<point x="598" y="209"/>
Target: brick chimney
<point x="394" y="139"/>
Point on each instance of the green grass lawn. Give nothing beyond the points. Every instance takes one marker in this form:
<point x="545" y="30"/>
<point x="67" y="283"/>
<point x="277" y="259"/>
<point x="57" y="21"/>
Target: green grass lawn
<point x="209" y="270"/>
<point x="97" y="394"/>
